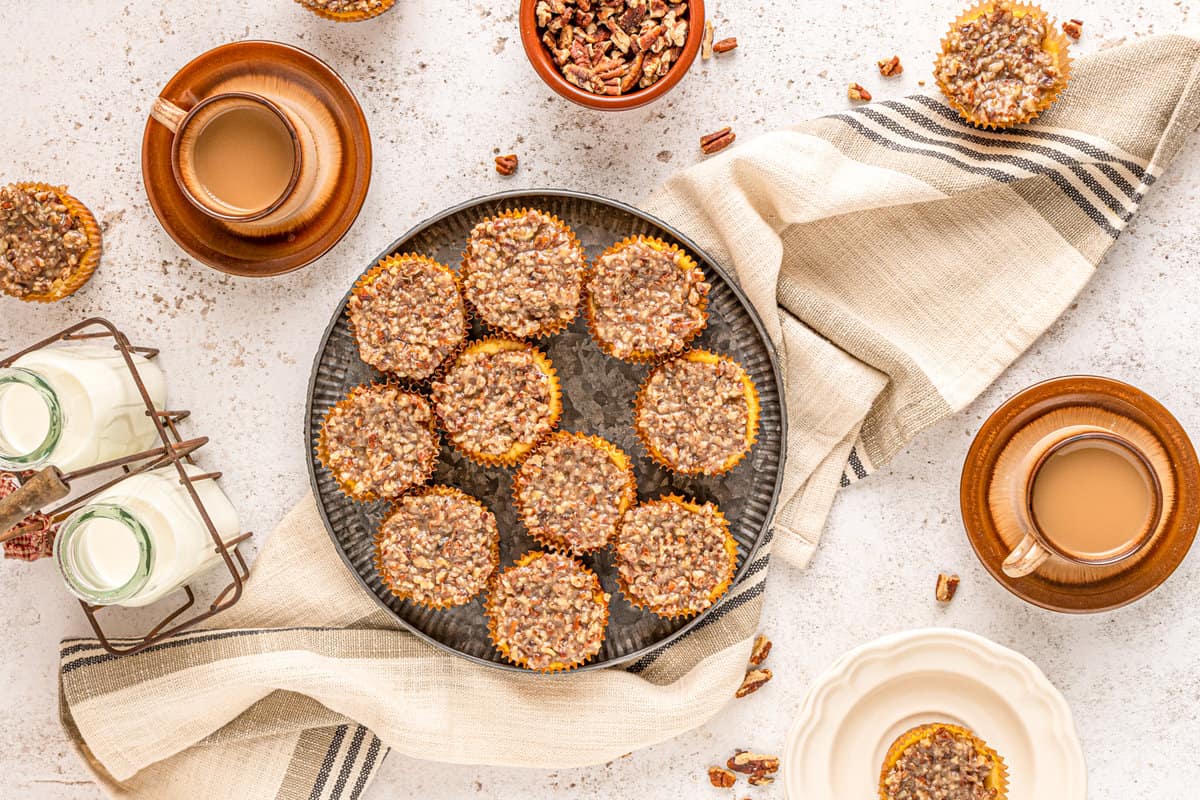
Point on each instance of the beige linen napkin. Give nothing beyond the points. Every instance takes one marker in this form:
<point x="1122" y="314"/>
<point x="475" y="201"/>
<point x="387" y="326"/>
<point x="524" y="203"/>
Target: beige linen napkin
<point x="901" y="260"/>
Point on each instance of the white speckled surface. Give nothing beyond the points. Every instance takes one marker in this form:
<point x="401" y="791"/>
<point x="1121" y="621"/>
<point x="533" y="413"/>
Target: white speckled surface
<point x="443" y="85"/>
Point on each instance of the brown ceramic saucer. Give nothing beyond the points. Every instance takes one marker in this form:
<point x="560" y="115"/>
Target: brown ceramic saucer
<point x="1165" y="552"/>
<point x="207" y="240"/>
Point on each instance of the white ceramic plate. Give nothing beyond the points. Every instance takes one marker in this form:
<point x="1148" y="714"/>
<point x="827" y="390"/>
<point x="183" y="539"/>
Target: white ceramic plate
<point x="878" y="691"/>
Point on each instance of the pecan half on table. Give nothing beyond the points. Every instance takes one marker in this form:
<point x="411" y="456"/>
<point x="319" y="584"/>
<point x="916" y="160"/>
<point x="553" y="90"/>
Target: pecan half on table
<point x="717" y="140"/>
<point x="613" y="47"/>
<point x="858" y="92"/>
<point x="890" y="66"/>
<point x="506" y="165"/>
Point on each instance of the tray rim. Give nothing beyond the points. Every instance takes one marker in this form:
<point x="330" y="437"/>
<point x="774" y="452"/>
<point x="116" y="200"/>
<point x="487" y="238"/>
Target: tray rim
<point x="755" y="318"/>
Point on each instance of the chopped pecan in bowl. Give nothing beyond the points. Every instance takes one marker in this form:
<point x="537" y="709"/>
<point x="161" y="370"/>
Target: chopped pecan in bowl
<point x="611" y="54"/>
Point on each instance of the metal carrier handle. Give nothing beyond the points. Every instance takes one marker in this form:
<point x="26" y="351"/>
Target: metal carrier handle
<point x="45" y="487"/>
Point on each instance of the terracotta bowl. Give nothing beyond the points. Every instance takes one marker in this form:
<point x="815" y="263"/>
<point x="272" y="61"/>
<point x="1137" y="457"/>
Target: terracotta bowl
<point x="544" y="65"/>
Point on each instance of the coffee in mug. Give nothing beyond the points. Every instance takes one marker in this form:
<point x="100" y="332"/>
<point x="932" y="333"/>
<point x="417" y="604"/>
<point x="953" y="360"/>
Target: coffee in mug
<point x="243" y="156"/>
<point x="261" y="164"/>
<point x="1091" y="498"/>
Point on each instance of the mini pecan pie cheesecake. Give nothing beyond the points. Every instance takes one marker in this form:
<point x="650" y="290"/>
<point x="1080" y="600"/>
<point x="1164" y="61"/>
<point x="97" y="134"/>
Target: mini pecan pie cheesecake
<point x="942" y="762"/>
<point x="347" y="10"/>
<point x="407" y="316"/>
<point x="698" y="414"/>
<point x="572" y="491"/>
<point x="675" y="558"/>
<point x="646" y="299"/>
<point x="379" y="442"/>
<point x="438" y="547"/>
<point x="497" y="400"/>
<point x="1002" y="64"/>
<point x="523" y="273"/>
<point x="547" y="612"/>
<point x="49" y="242"/>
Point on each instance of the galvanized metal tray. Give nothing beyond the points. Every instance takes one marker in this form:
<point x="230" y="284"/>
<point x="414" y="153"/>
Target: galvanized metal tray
<point x="598" y="399"/>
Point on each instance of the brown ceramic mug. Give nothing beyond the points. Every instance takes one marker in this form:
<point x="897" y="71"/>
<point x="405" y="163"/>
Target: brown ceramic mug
<point x="258" y="164"/>
<point x="1036" y="547"/>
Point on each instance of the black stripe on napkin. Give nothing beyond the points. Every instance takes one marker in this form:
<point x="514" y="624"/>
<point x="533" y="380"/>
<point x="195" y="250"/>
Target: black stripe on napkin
<point x="327" y="764"/>
<point x="912" y="115"/>
<point x="368" y="767"/>
<point x="356" y="741"/>
<point x="1063" y="184"/>
<point x="1036" y="133"/>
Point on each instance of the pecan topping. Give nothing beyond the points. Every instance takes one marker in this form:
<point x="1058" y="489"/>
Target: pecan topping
<point x="523" y="273"/>
<point x="947" y="585"/>
<point x="345" y="6"/>
<point x="760" y="779"/>
<point x="646" y="299"/>
<point x="613" y="47"/>
<point x="749" y="763"/>
<point x="940" y="766"/>
<point x="1073" y="28"/>
<point x="762" y="648"/>
<point x="40" y="242"/>
<point x="858" y="92"/>
<point x="439" y="548"/>
<point x="706" y="44"/>
<point x="489" y="403"/>
<point x="407" y="316"/>
<point x="506" y="165"/>
<point x="694" y="414"/>
<point x="755" y="679"/>
<point x="674" y="558"/>
<point x="379" y="441"/>
<point x="891" y="66"/>
<point x="996" y="68"/>
<point x="725" y="45"/>
<point x="721" y="778"/>
<point x="571" y="493"/>
<point x="717" y="140"/>
<point x="548" y="612"/>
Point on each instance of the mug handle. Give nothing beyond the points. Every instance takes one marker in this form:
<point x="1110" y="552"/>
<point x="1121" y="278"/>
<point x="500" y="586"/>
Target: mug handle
<point x="167" y="113"/>
<point x="1027" y="557"/>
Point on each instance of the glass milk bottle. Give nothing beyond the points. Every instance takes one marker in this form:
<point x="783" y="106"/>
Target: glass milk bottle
<point x="142" y="538"/>
<point x="75" y="405"/>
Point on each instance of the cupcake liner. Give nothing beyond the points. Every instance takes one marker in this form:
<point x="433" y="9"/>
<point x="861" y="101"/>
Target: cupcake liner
<point x="444" y="491"/>
<point x="349" y="16"/>
<point x="628" y="494"/>
<point x="546" y="330"/>
<point x="998" y="779"/>
<point x="518" y="451"/>
<point x="754" y="411"/>
<point x="598" y="595"/>
<point x="74" y="281"/>
<point x="1055" y="43"/>
<point x="717" y="592"/>
<point x="642" y="356"/>
<point x="322" y="446"/>
<point x="371" y="275"/>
